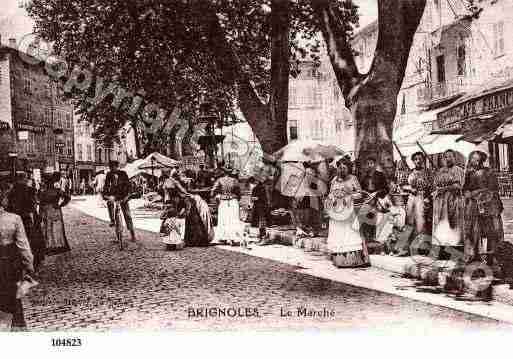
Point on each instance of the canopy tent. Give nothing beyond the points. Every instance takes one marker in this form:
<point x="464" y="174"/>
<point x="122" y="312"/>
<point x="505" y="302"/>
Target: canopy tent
<point x="132" y="169"/>
<point x="158" y="160"/>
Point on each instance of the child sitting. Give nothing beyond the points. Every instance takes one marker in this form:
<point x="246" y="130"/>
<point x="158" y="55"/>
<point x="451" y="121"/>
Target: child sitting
<point x="172" y="230"/>
<point x="394" y="231"/>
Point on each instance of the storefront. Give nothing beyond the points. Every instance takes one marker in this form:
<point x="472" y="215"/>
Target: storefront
<point x="485" y="119"/>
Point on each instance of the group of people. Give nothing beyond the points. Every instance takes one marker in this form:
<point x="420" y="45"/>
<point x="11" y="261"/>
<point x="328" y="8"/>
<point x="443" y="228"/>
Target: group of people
<point x="31" y="227"/>
<point x="447" y="206"/>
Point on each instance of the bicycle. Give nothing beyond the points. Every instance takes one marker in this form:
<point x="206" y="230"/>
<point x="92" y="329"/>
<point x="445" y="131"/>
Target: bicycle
<point x="118" y="223"/>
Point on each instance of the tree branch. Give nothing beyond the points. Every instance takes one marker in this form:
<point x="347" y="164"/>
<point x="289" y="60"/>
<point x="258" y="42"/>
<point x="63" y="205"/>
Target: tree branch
<point x="339" y="49"/>
<point x="228" y="62"/>
<point x="398" y="22"/>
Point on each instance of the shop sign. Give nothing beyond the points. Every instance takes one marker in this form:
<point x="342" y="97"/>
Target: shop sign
<point x="29" y="127"/>
<point x="452" y="118"/>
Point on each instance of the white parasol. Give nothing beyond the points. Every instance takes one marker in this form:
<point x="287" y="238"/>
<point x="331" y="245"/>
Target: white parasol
<point x="308" y="151"/>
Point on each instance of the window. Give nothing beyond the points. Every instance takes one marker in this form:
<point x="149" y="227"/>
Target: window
<point x="498" y="38"/>
<point x="293" y="96"/>
<point x="48" y="142"/>
<point x="403" y="106"/>
<point x="440" y="68"/>
<point x="79" y="151"/>
<point x="48" y="89"/>
<point x="89" y="152"/>
<point x="317" y="96"/>
<point x="293" y="129"/>
<point x="28" y="112"/>
<point x="460" y="55"/>
<point x="59" y="119"/>
<point x="338" y="125"/>
<point x="27" y="85"/>
<point x="99" y="155"/>
<point x="70" y="148"/>
<point x="31" y="143"/>
<point x="336" y="92"/>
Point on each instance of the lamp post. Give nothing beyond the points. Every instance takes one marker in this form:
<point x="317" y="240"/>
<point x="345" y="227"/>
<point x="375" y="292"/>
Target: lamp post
<point x="152" y="171"/>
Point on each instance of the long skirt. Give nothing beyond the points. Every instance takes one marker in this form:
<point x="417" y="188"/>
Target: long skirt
<point x="482" y="233"/>
<point x="10" y="274"/>
<point x="198" y="223"/>
<point x="229" y="226"/>
<point x="53" y="230"/>
<point x="445" y="234"/>
<point x="347" y="247"/>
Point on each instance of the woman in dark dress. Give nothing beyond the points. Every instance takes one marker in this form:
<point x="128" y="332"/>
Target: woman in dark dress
<point x="199" y="231"/>
<point x="483" y="209"/>
<point x="51" y="202"/>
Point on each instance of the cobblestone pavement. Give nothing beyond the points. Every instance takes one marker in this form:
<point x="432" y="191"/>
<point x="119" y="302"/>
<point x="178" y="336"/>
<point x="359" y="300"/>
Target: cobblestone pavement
<point x="98" y="287"/>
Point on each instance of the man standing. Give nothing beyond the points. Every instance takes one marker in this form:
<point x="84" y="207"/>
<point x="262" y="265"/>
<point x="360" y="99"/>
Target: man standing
<point x="262" y="196"/>
<point x="418" y="212"/>
<point x="22" y="201"/>
<point x="117" y="188"/>
<point x="203" y="178"/>
<point x="374" y="180"/>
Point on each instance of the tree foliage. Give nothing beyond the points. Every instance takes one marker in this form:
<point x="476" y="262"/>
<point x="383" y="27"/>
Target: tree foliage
<point x="165" y="48"/>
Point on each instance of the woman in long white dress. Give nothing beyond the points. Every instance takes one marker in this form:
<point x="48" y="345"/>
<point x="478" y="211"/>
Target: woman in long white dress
<point x="229" y="226"/>
<point x="345" y="244"/>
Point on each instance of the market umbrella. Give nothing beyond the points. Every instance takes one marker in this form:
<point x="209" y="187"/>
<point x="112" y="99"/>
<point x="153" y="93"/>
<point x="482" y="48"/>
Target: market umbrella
<point x="308" y="151"/>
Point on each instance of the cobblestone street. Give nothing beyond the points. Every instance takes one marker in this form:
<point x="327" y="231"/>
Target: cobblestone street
<point x="98" y="287"/>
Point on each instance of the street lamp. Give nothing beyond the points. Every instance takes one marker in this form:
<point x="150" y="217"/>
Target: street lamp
<point x="152" y="171"/>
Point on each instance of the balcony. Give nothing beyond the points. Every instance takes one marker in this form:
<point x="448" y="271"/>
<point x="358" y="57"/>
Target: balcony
<point x="442" y="91"/>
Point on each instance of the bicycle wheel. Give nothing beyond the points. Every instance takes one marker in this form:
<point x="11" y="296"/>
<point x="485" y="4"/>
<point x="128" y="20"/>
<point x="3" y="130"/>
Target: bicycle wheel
<point x="119" y="226"/>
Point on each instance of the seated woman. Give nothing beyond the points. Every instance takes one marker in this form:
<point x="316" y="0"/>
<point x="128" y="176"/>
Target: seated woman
<point x="199" y="231"/>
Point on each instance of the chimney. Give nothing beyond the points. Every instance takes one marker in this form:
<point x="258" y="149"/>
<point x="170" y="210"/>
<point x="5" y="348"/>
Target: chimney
<point x="12" y="43"/>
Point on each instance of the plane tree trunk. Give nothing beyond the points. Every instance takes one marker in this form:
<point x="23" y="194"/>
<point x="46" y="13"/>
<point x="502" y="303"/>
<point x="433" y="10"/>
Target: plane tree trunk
<point x="372" y="97"/>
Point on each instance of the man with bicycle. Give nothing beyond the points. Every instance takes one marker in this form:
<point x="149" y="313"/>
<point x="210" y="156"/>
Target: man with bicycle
<point x="117" y="189"/>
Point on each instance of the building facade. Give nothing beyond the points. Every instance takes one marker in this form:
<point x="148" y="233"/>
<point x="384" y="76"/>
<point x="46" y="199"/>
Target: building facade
<point x="316" y="106"/>
<point x="457" y="50"/>
<point x="84" y="150"/>
<point x="38" y="114"/>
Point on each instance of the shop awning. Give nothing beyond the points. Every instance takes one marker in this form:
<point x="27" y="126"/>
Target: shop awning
<point x="497" y="129"/>
<point x="490" y="100"/>
<point x="433" y="144"/>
